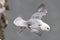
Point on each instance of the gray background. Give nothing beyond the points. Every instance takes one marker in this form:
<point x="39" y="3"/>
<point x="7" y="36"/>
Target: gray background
<point x="26" y="8"/>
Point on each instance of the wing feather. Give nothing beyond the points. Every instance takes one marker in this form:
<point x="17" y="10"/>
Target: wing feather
<point x="41" y="11"/>
<point x="19" y="22"/>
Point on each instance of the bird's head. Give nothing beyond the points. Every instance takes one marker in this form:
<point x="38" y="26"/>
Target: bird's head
<point x="45" y="27"/>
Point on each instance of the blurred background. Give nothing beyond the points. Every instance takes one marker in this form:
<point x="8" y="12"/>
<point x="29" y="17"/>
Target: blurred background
<point x="25" y="8"/>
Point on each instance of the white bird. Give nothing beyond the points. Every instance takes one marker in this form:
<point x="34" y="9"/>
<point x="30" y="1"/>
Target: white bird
<point x="35" y="24"/>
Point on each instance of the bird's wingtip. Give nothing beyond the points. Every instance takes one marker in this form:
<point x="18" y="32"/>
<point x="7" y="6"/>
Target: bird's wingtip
<point x="41" y="5"/>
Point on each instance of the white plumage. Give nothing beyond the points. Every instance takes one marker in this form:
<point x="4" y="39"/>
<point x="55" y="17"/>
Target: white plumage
<point x="35" y="24"/>
<point x="20" y="22"/>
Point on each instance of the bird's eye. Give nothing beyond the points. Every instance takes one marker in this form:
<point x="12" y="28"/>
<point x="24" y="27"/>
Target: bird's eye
<point x="47" y="28"/>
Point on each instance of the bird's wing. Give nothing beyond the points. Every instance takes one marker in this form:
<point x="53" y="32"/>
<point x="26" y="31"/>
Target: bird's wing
<point x="19" y="22"/>
<point x="41" y="11"/>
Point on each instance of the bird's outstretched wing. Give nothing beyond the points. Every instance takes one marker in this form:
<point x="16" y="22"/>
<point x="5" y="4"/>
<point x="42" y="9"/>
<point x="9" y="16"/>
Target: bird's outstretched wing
<point x="19" y="22"/>
<point x="41" y="11"/>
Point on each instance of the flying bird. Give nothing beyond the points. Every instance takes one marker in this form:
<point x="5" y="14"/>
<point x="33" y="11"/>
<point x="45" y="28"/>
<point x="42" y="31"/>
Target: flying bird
<point x="35" y="23"/>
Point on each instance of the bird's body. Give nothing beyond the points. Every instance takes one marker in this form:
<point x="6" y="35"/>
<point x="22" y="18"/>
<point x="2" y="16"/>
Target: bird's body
<point x="34" y="24"/>
<point x="38" y="25"/>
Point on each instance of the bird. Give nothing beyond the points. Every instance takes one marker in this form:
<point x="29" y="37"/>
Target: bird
<point x="35" y="23"/>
